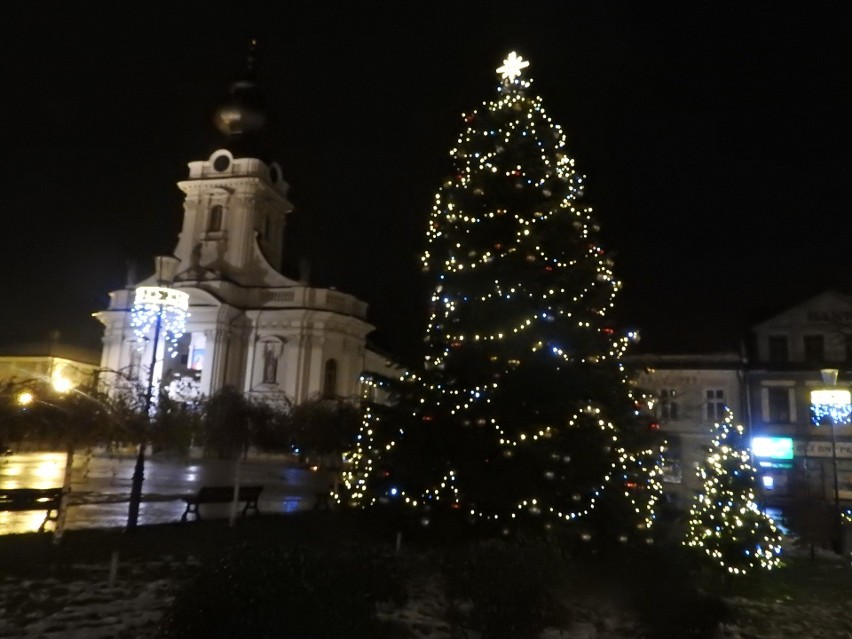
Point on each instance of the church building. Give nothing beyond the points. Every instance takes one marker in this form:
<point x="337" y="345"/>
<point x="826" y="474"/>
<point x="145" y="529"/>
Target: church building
<point x="219" y="310"/>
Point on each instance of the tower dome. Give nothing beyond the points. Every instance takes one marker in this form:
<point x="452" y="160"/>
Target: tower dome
<point x="242" y="117"/>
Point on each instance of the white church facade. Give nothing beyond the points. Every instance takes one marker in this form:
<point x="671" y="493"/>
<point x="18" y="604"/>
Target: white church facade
<point x="246" y="324"/>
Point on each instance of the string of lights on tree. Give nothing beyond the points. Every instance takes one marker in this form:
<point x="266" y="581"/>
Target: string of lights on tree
<point x="725" y="523"/>
<point x="169" y="306"/>
<point x="631" y="469"/>
<point x="521" y="296"/>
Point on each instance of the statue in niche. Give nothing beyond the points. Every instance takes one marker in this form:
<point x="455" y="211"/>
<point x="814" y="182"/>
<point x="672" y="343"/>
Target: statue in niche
<point x="270" y="365"/>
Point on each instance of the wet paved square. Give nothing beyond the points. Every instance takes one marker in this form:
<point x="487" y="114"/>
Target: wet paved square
<point x="100" y="486"/>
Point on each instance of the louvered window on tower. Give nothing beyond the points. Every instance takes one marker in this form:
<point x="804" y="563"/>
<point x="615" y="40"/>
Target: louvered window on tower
<point x="214" y="218"/>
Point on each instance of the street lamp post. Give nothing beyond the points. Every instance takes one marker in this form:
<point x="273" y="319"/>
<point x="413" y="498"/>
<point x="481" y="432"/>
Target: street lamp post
<point x="165" y="310"/>
<point x="833" y="406"/>
<point x="139" y="468"/>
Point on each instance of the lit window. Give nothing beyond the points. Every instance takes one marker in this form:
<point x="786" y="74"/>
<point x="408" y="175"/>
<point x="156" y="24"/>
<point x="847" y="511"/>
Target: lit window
<point x="196" y="360"/>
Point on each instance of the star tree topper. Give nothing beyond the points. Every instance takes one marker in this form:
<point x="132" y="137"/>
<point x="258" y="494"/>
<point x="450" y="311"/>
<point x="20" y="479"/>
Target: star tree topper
<point x="512" y="66"/>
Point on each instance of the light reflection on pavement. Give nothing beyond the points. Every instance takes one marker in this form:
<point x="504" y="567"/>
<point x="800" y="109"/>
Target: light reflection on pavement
<point x="100" y="486"/>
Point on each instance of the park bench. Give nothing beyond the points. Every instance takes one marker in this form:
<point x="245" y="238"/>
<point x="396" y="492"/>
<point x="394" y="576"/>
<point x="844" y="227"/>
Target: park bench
<point x="20" y="499"/>
<point x="221" y="495"/>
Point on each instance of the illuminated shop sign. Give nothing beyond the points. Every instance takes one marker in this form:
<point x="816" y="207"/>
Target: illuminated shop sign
<point x="772" y="447"/>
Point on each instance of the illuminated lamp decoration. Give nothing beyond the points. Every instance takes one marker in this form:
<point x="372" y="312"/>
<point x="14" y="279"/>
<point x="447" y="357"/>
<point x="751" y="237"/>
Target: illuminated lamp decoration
<point x="166" y="305"/>
<point x="163" y="312"/>
<point x="831" y="406"/>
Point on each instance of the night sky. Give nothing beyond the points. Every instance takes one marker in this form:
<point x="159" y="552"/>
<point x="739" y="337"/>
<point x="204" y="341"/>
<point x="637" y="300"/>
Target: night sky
<point x="715" y="138"/>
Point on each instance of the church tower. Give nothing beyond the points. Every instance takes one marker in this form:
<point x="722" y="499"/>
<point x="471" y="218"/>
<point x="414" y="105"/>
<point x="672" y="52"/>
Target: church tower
<point x="236" y="200"/>
<point x="247" y="325"/>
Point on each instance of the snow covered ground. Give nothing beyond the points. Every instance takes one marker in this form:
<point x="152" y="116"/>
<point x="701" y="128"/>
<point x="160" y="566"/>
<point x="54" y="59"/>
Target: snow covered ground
<point x="98" y="601"/>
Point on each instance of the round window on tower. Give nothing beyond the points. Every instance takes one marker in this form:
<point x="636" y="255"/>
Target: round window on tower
<point x="221" y="162"/>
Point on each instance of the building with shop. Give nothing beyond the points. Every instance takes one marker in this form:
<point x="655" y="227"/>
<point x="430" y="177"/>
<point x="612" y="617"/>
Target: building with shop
<point x="769" y="387"/>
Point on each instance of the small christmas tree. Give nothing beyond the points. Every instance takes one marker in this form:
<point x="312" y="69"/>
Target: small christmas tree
<point x="725" y="523"/>
<point x="523" y="409"/>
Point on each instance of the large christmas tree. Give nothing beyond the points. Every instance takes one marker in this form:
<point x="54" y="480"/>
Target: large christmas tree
<point x="725" y="524"/>
<point x="524" y="409"/>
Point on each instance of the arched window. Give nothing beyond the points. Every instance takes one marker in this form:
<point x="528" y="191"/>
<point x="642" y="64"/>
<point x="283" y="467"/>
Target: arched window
<point x="270" y="365"/>
<point x="329" y="380"/>
<point x="214" y="218"/>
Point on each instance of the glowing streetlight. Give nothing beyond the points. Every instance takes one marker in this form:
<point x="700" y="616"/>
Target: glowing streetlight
<point x="62" y="384"/>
